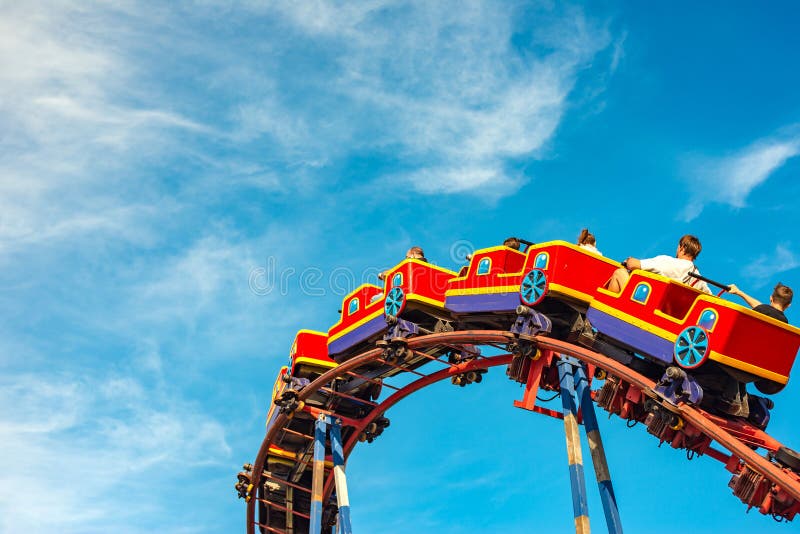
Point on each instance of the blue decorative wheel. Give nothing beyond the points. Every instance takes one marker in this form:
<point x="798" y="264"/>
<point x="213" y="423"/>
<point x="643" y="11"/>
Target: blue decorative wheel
<point x="691" y="347"/>
<point x="533" y="287"/>
<point x="395" y="302"/>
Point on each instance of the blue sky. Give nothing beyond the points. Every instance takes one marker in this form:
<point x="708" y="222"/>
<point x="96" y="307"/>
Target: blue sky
<point x="156" y="160"/>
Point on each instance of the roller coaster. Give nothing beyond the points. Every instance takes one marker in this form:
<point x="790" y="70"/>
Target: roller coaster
<point x="658" y="352"/>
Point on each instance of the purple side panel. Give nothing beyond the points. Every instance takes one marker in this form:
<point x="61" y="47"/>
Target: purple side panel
<point x="363" y="332"/>
<point x="641" y="341"/>
<point x="496" y="302"/>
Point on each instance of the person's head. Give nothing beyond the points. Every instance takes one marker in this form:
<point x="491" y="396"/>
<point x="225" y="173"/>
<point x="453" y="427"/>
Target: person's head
<point x="586" y="238"/>
<point x="415" y="253"/>
<point x="512" y="242"/>
<point x="689" y="247"/>
<point x="781" y="297"/>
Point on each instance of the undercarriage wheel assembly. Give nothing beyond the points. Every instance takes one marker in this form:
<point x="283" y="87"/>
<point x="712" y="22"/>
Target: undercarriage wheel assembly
<point x="396" y="353"/>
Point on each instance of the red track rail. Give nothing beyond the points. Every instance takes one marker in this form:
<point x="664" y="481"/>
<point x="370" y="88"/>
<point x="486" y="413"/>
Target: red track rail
<point x="722" y="431"/>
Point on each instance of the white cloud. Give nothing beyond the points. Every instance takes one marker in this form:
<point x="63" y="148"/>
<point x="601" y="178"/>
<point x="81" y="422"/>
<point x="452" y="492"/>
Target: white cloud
<point x="91" y="452"/>
<point x="619" y="52"/>
<point x="766" y="267"/>
<point x="730" y="180"/>
<point x="78" y="119"/>
<point x="454" y="90"/>
<point x="493" y="182"/>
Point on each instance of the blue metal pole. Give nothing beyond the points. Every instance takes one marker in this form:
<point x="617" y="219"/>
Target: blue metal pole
<point x="339" y="478"/>
<point x="601" y="471"/>
<point x="580" y="506"/>
<point x="318" y="474"/>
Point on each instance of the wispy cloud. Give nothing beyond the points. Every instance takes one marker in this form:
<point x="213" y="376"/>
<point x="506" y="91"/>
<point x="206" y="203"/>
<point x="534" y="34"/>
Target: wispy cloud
<point x="79" y="122"/>
<point x="730" y="180"/>
<point x="456" y="92"/>
<point x="765" y="268"/>
<point x="93" y="449"/>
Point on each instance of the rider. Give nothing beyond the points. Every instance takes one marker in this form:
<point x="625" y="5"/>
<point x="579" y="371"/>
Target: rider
<point x="780" y="299"/>
<point x="414" y="253"/>
<point x="587" y="240"/>
<point x="677" y="268"/>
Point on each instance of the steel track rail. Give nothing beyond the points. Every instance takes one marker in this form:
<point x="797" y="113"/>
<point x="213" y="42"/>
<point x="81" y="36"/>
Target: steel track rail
<point x="697" y="417"/>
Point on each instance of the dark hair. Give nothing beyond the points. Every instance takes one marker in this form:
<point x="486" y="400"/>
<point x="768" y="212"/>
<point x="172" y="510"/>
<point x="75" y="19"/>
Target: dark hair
<point x="586" y="238"/>
<point x="782" y="295"/>
<point x="512" y="242"/>
<point x="691" y="245"/>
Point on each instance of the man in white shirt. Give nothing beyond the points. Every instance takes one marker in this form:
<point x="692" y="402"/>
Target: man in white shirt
<point x="677" y="268"/>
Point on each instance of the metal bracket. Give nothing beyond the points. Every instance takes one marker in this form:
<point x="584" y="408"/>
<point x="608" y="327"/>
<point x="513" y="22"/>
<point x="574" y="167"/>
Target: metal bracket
<point x="759" y="410"/>
<point x="529" y="322"/>
<point x="676" y="386"/>
<point x="400" y="329"/>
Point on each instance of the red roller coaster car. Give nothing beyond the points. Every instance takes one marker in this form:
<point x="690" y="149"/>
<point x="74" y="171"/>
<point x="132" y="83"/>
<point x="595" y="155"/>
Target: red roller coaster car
<point x="675" y="323"/>
<point x="413" y="290"/>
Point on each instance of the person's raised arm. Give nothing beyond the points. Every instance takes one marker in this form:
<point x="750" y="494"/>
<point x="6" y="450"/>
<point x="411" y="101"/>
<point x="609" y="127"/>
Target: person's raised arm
<point x="747" y="298"/>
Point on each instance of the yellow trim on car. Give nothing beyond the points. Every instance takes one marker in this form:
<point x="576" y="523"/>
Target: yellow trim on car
<point x="647" y="297"/>
<point x="355" y="325"/>
<point x="481" y="291"/>
<point x="748" y="367"/>
<point x="307" y="331"/>
<point x="539" y="246"/>
<point x="426" y="300"/>
<point x="668" y="317"/>
<point x="639" y="323"/>
<point x="564" y="290"/>
<point x="314" y="361"/>
<point x="420" y="262"/>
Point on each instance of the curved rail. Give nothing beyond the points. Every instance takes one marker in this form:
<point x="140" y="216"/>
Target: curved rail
<point x="708" y="424"/>
<point x="695" y="416"/>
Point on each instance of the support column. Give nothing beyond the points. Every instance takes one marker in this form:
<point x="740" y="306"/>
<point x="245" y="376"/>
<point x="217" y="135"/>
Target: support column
<point x="318" y="474"/>
<point x="576" y="478"/>
<point x="597" y="451"/>
<point x="339" y="478"/>
<point x="289" y="510"/>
